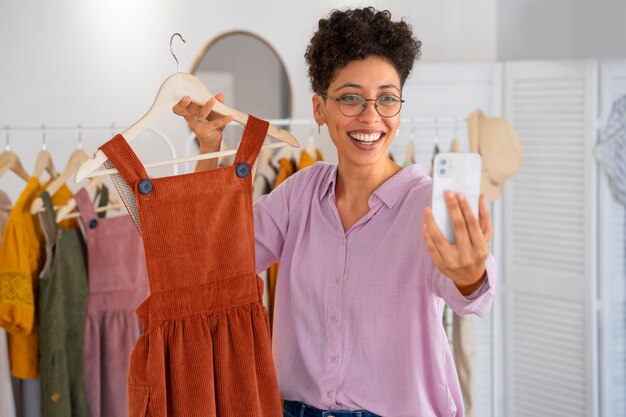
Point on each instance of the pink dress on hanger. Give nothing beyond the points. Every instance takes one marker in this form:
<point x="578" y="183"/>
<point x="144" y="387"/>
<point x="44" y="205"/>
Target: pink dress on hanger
<point x="118" y="283"/>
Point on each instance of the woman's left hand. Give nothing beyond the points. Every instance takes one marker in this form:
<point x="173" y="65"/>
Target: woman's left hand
<point x="464" y="261"/>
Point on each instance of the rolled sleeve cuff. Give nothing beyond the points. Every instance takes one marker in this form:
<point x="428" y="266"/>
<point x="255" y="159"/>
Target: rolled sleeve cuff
<point x="479" y="302"/>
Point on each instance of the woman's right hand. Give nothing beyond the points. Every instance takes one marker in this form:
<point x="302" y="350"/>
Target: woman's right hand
<point x="207" y="125"/>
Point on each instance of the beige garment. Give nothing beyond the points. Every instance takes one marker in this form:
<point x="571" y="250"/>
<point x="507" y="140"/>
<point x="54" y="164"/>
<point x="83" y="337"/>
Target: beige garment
<point x="464" y="353"/>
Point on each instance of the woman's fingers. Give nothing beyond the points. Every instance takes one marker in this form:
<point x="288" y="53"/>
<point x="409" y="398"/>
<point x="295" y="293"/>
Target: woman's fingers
<point x="473" y="227"/>
<point x="432" y="248"/>
<point x="484" y="218"/>
<point x="221" y="122"/>
<point x="185" y="107"/>
<point x="457" y="219"/>
<point x="205" y="110"/>
<point x="444" y="248"/>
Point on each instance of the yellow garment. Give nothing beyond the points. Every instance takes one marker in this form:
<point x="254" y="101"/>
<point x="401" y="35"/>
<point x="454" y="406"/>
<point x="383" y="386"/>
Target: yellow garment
<point x="286" y="168"/>
<point x="20" y="260"/>
<point x="306" y="160"/>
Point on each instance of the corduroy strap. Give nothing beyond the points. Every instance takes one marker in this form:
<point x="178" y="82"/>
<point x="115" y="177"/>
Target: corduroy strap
<point x="124" y="159"/>
<point x="252" y="140"/>
<point x="131" y="172"/>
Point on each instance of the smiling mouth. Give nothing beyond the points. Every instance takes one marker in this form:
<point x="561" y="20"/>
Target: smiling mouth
<point x="367" y="138"/>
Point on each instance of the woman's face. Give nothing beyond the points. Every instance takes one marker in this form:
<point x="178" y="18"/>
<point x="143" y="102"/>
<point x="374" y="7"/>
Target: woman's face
<point x="360" y="140"/>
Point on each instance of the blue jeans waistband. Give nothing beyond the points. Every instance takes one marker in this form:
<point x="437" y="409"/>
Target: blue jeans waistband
<point x="298" y="409"/>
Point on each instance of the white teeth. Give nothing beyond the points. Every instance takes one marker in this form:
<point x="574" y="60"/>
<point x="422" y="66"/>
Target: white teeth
<point x="362" y="137"/>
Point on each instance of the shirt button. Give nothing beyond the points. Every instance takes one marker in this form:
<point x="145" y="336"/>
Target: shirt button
<point x="145" y="187"/>
<point x="335" y="319"/>
<point x="93" y="224"/>
<point x="242" y="170"/>
<point x="329" y="394"/>
<point x="335" y="359"/>
<point x="374" y="199"/>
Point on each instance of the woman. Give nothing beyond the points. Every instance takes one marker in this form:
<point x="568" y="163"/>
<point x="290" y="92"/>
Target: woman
<point x="364" y="270"/>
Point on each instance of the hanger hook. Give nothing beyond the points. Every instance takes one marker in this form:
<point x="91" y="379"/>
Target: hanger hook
<point x="172" y="51"/>
<point x="43" y="139"/>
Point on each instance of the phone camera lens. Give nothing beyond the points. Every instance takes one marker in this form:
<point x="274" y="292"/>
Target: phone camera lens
<point x="443" y="162"/>
<point x="442" y="171"/>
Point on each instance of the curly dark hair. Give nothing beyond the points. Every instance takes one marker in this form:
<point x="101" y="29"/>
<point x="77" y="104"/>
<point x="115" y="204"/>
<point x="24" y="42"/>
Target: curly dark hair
<point x="355" y="35"/>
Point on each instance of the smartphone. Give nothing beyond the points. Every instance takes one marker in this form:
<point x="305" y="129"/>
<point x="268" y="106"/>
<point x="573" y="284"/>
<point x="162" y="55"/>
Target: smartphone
<point x="459" y="173"/>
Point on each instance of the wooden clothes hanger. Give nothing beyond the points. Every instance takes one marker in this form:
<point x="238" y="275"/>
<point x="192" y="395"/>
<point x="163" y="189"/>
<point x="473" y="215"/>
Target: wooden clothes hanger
<point x="74" y="162"/>
<point x="44" y="161"/>
<point x="66" y="211"/>
<point x="9" y="161"/>
<point x="171" y="92"/>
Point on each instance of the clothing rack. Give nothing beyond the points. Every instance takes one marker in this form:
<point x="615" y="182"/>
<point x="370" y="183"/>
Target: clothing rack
<point x="79" y="128"/>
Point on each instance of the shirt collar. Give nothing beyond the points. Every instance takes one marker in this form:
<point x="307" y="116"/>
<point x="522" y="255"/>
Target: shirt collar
<point x="389" y="191"/>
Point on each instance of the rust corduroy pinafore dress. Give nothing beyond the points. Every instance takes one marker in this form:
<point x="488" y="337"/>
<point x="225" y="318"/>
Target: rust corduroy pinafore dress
<point x="205" y="348"/>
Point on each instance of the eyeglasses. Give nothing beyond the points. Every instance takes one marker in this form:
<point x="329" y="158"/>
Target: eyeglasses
<point x="351" y="105"/>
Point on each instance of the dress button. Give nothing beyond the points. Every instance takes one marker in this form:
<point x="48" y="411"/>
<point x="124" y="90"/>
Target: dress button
<point x="55" y="397"/>
<point x="242" y="170"/>
<point x="145" y="187"/>
<point x="93" y="224"/>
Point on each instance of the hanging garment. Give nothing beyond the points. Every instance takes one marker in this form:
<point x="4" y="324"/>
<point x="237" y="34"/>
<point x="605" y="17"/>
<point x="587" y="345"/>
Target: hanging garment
<point x="62" y="302"/>
<point x="118" y="283"/>
<point x="286" y="168"/>
<point x="20" y="263"/>
<point x="306" y="159"/>
<point x="264" y="179"/>
<point x="205" y="348"/>
<point x="464" y="350"/>
<point x="7" y="402"/>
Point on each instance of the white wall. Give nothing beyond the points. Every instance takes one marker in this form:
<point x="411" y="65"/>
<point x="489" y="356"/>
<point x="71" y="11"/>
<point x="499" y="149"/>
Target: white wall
<point x="566" y="29"/>
<point x="97" y="62"/>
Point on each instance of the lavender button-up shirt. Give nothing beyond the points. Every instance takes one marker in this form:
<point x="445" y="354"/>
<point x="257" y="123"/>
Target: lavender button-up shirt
<point x="358" y="315"/>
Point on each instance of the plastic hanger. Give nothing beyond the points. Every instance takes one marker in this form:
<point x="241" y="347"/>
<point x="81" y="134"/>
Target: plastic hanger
<point x="171" y="92"/>
<point x="44" y="160"/>
<point x="9" y="161"/>
<point x="75" y="160"/>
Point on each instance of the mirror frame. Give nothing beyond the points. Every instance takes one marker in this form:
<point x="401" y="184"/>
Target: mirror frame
<point x="207" y="46"/>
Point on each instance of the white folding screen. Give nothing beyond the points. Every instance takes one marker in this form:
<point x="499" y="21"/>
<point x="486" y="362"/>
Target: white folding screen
<point x="612" y="263"/>
<point x="436" y="95"/>
<point x="550" y="241"/>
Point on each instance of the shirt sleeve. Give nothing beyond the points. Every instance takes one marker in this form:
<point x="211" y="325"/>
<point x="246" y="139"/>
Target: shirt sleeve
<point x="271" y="219"/>
<point x="479" y="302"/>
